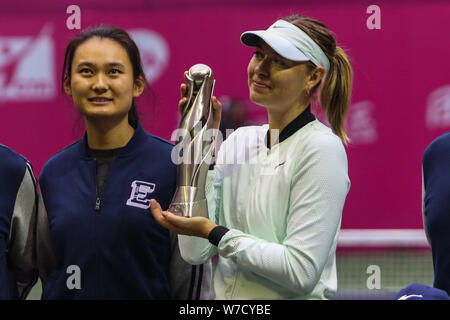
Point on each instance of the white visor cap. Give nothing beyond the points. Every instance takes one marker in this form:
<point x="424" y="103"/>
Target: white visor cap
<point x="290" y="42"/>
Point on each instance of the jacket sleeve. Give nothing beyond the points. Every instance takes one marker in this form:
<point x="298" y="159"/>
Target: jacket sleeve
<point x="45" y="257"/>
<point x="188" y="282"/>
<point x="21" y="242"/>
<point x="317" y="195"/>
<point x="424" y="217"/>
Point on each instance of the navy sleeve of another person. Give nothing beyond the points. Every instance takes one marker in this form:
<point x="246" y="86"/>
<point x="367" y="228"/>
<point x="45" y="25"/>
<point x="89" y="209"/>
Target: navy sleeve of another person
<point x="436" y="179"/>
<point x="17" y="219"/>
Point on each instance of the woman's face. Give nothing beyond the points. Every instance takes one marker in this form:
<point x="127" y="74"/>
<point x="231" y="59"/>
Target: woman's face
<point x="101" y="83"/>
<point x="276" y="82"/>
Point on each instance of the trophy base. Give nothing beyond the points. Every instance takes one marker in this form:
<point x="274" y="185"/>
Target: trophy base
<point x="184" y="203"/>
<point x="190" y="209"/>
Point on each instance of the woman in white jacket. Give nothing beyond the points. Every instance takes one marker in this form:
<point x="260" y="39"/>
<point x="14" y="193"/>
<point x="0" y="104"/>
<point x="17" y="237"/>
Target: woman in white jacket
<point x="275" y="201"/>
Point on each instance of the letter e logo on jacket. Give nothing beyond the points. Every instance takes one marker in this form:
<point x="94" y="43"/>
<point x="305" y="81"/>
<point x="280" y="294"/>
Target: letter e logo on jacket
<point x="140" y="194"/>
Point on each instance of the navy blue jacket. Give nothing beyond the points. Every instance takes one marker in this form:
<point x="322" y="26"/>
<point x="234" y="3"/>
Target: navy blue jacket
<point x="111" y="247"/>
<point x="17" y="217"/>
<point x="436" y="175"/>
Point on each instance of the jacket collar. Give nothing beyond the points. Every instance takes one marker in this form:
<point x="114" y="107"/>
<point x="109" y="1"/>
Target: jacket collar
<point x="138" y="136"/>
<point x="303" y="119"/>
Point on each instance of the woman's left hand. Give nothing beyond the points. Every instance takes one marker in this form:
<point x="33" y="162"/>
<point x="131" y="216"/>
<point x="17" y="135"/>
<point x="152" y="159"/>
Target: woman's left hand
<point x="194" y="226"/>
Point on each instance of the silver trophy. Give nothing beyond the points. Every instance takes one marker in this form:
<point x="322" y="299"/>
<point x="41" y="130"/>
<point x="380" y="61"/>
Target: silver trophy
<point x="196" y="145"/>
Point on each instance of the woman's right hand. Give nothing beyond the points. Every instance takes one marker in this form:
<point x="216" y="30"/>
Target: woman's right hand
<point x="216" y="104"/>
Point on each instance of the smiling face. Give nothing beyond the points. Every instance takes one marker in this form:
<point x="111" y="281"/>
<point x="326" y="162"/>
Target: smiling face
<point x="275" y="82"/>
<point x="101" y="82"/>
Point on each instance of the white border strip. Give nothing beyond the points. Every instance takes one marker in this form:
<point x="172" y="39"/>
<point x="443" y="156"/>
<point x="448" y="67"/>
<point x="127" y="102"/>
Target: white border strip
<point x="382" y="238"/>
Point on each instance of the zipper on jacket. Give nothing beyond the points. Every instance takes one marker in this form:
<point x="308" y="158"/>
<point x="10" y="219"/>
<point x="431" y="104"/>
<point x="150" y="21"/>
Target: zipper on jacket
<point x="96" y="244"/>
<point x="97" y="203"/>
<point x="99" y="193"/>
<point x="98" y="196"/>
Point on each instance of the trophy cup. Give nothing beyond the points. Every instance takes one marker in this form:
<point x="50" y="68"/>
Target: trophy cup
<point x="197" y="144"/>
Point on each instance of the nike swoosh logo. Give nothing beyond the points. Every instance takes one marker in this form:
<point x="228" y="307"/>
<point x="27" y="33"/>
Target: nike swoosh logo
<point x="280" y="164"/>
<point x="406" y="297"/>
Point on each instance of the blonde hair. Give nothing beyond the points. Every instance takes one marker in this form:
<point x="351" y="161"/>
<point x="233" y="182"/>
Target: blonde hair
<point x="336" y="88"/>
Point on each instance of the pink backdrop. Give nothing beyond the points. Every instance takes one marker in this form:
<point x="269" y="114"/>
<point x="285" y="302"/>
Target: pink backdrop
<point x="400" y="103"/>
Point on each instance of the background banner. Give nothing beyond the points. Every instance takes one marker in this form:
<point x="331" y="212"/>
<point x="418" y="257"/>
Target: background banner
<point x="400" y="102"/>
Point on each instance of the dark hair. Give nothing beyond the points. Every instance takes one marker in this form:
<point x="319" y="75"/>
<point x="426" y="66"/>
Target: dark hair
<point x="336" y="89"/>
<point x="123" y="38"/>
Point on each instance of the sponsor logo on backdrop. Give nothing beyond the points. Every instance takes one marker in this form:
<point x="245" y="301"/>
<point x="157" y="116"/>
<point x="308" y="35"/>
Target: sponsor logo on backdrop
<point x="361" y="126"/>
<point x="27" y="67"/>
<point x="154" y="52"/>
<point x="438" y="108"/>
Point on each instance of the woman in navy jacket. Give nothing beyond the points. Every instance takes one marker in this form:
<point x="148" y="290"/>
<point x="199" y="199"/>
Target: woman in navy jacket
<point x="17" y="218"/>
<point x="96" y="238"/>
<point x="436" y="220"/>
